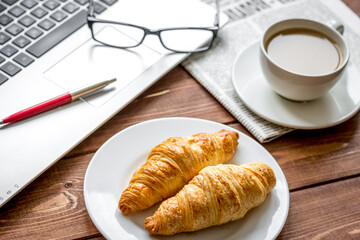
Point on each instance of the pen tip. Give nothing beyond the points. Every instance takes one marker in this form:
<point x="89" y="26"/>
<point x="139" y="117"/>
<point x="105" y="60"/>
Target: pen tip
<point x="1" y="122"/>
<point x="112" y="80"/>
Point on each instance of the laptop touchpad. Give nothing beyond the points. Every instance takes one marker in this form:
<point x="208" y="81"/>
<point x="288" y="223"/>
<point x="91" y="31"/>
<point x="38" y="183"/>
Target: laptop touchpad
<point x="93" y="62"/>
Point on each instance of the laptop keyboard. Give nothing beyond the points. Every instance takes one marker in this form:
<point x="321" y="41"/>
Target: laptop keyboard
<point x="30" y="28"/>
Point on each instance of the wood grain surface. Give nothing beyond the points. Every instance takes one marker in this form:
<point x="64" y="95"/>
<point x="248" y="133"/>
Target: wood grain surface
<point x="321" y="166"/>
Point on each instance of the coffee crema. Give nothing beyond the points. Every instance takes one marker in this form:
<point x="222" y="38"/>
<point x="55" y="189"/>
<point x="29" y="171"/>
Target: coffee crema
<point x="304" y="51"/>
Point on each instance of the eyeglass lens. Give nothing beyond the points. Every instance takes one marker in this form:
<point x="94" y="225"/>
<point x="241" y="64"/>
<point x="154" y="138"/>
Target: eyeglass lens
<point x="186" y="40"/>
<point x="183" y="40"/>
<point x="118" y="35"/>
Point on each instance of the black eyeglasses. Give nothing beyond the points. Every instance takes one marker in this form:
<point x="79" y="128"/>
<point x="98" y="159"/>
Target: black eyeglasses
<point x="125" y="35"/>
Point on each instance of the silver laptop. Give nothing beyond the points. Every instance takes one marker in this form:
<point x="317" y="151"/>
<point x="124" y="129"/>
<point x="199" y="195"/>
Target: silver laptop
<point x="46" y="49"/>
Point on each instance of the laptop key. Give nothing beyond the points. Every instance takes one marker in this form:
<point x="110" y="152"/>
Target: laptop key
<point x="58" y="34"/>
<point x="58" y="16"/>
<point x="8" y="50"/>
<point x="10" y="68"/>
<point x="4" y="38"/>
<point x="21" y="41"/>
<point x="39" y="12"/>
<point x="34" y="33"/>
<point x="51" y="4"/>
<point x="98" y="8"/>
<point x="16" y="11"/>
<point x="46" y="24"/>
<point x="82" y="2"/>
<point x="10" y="2"/>
<point x="109" y="2"/>
<point x="2" y="7"/>
<point x="14" y="29"/>
<point x="70" y="7"/>
<point x="2" y="59"/>
<point x="5" y="19"/>
<point x="29" y="3"/>
<point x="3" y="78"/>
<point x="27" y="21"/>
<point x="23" y="59"/>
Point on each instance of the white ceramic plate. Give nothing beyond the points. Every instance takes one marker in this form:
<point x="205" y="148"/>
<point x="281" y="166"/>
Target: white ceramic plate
<point x="338" y="105"/>
<point x="112" y="166"/>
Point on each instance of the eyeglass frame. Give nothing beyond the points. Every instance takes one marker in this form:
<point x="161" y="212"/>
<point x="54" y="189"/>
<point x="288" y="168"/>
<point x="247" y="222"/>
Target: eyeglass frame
<point x="91" y="19"/>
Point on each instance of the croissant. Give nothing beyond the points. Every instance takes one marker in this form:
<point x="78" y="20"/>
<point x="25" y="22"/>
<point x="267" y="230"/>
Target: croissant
<point x="174" y="163"/>
<point x="217" y="195"/>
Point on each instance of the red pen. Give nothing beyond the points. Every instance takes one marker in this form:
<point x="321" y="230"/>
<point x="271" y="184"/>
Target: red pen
<point x="56" y="101"/>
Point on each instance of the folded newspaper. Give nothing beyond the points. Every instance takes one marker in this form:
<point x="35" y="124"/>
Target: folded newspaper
<point x="248" y="19"/>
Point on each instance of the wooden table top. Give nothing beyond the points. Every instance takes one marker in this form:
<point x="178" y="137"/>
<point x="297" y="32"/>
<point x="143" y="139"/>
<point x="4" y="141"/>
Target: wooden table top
<point x="321" y="166"/>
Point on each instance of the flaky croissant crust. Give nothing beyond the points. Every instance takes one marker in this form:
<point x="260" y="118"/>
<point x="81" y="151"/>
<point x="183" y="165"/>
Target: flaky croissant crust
<point x="217" y="195"/>
<point x="174" y="163"/>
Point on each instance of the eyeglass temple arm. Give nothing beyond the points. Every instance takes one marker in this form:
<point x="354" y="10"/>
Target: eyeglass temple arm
<point x="91" y="8"/>
<point x="217" y="17"/>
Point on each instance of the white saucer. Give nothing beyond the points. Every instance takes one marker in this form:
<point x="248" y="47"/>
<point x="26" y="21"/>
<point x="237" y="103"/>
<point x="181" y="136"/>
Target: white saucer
<point x="112" y="166"/>
<point x="337" y="106"/>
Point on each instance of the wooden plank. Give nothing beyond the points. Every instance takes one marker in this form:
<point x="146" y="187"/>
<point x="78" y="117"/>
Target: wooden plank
<point x="167" y="98"/>
<point x="318" y="156"/>
<point x="305" y="156"/>
<point x="354" y="5"/>
<point x="53" y="207"/>
<point x="329" y="211"/>
<point x="313" y="157"/>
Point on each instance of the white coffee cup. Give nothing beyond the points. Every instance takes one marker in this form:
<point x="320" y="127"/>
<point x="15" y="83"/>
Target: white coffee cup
<point x="298" y="86"/>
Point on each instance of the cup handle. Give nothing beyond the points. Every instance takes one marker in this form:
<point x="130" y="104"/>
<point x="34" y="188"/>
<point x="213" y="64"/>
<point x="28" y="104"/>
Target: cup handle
<point x="337" y="26"/>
